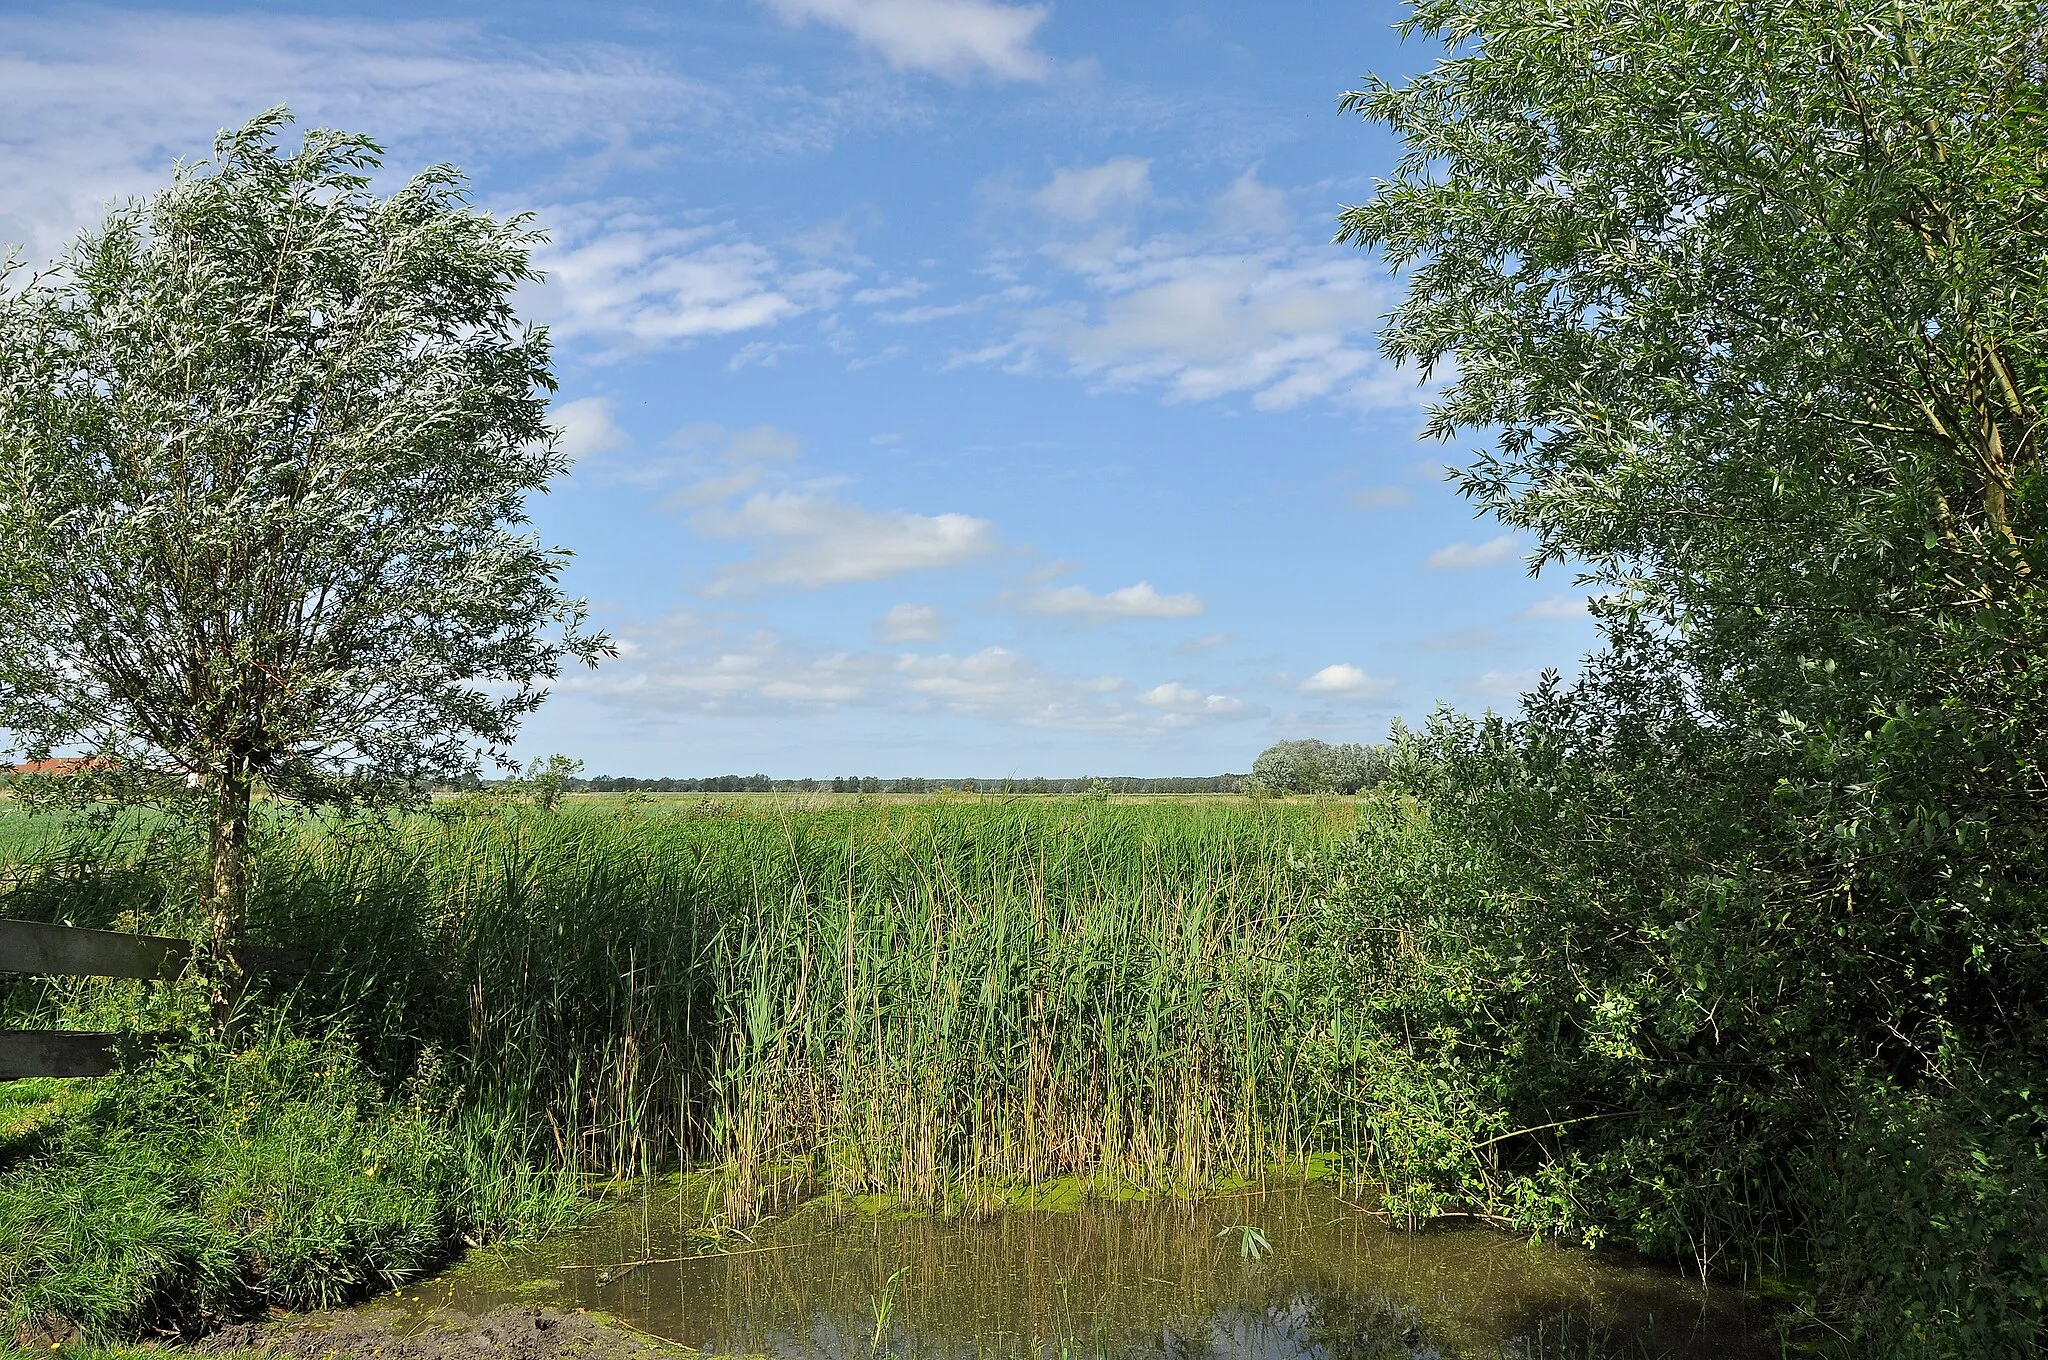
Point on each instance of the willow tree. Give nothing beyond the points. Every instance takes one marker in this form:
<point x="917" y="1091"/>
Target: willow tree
<point x="1747" y="299"/>
<point x="265" y="443"/>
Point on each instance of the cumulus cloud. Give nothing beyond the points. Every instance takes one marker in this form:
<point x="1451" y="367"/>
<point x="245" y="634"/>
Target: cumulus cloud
<point x="1382" y="498"/>
<point x="1140" y="601"/>
<point x="956" y="39"/>
<point x="587" y="428"/>
<point x="1184" y="704"/>
<point x="911" y="623"/>
<point x="1557" y="607"/>
<point x="1463" y="556"/>
<point x="630" y="281"/>
<point x="811" y="539"/>
<point x="1344" y="681"/>
<point x="1084" y="193"/>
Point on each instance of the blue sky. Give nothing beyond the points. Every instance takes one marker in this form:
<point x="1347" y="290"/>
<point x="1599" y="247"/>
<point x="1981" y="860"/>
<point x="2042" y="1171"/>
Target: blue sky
<point x="956" y="386"/>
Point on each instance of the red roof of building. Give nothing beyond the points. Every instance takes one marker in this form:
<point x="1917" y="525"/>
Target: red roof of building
<point x="58" y="765"/>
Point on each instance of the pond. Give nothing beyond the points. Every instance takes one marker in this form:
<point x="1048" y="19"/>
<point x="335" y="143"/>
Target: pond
<point x="1292" y="1273"/>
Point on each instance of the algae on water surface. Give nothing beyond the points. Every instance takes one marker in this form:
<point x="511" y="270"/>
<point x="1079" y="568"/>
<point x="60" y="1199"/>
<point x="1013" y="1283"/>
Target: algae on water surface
<point x="1102" y="1278"/>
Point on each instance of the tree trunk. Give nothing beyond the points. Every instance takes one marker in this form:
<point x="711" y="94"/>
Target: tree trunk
<point x="228" y="871"/>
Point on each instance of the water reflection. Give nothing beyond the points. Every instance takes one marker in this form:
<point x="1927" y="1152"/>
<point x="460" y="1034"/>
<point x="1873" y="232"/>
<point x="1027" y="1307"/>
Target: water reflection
<point x="1137" y="1280"/>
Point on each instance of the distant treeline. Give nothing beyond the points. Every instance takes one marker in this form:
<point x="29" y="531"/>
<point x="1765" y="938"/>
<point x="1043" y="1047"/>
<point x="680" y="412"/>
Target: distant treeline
<point x="761" y="783"/>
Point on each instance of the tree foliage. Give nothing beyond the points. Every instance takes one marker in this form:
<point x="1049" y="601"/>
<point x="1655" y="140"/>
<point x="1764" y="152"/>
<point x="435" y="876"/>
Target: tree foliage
<point x="265" y="440"/>
<point x="1750" y="297"/>
<point x="1313" y="766"/>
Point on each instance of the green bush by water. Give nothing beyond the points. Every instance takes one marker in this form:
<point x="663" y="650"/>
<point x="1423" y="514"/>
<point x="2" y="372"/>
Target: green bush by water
<point x="211" y="1182"/>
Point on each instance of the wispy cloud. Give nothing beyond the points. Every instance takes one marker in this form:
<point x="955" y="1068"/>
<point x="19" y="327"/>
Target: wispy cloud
<point x="1382" y="498"/>
<point x="688" y="664"/>
<point x="956" y="39"/>
<point x="95" y="105"/>
<point x="911" y="623"/>
<point x="1251" y="207"/>
<point x="628" y="280"/>
<point x="1503" y="685"/>
<point x="1284" y="324"/>
<point x="812" y="539"/>
<point x="894" y="292"/>
<point x="1463" y="556"/>
<point x="998" y="683"/>
<point x="1085" y="192"/>
<point x="1139" y="601"/>
<point x="1552" y="607"/>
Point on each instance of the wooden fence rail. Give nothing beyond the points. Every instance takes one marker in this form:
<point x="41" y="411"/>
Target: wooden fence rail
<point x="72" y="951"/>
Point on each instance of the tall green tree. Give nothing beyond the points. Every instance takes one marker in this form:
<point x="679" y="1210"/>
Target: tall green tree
<point x="1748" y="300"/>
<point x="265" y="443"/>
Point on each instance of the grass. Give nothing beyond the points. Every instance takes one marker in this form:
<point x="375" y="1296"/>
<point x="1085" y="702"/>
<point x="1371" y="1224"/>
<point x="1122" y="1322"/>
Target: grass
<point x="212" y="1182"/>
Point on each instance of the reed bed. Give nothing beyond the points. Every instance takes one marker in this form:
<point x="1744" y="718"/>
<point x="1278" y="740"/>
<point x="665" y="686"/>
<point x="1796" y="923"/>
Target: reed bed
<point x="876" y="999"/>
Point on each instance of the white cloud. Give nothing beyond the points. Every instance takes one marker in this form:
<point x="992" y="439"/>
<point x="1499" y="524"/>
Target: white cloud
<point x="1196" y="646"/>
<point x="1140" y="601"/>
<point x="1185" y="704"/>
<point x="719" y="462"/>
<point x="1557" y="607"/>
<point x="917" y="316"/>
<point x="998" y="683"/>
<point x="686" y="664"/>
<point x="95" y="105"/>
<point x="588" y="428"/>
<point x="693" y="664"/>
<point x="1249" y="207"/>
<point x="1084" y="193"/>
<point x="895" y="292"/>
<point x="1344" y="681"/>
<point x="911" y="623"/>
<point x="1286" y="325"/>
<point x="951" y="38"/>
<point x="810" y="539"/>
<point x="759" y="353"/>
<point x="1504" y="684"/>
<point x="1382" y="498"/>
<point x="630" y="281"/>
<point x="1463" y="556"/>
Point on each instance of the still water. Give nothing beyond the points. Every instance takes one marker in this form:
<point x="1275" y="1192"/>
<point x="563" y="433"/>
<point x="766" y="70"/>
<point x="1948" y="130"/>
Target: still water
<point x="1286" y="1274"/>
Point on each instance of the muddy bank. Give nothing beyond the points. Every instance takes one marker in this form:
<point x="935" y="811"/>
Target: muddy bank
<point x="386" y="1333"/>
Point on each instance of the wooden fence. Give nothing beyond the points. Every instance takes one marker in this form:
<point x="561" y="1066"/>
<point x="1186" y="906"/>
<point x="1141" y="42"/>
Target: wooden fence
<point x="70" y="951"/>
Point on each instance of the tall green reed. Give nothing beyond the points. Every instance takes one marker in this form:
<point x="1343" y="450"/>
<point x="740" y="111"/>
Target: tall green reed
<point x="894" y="999"/>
